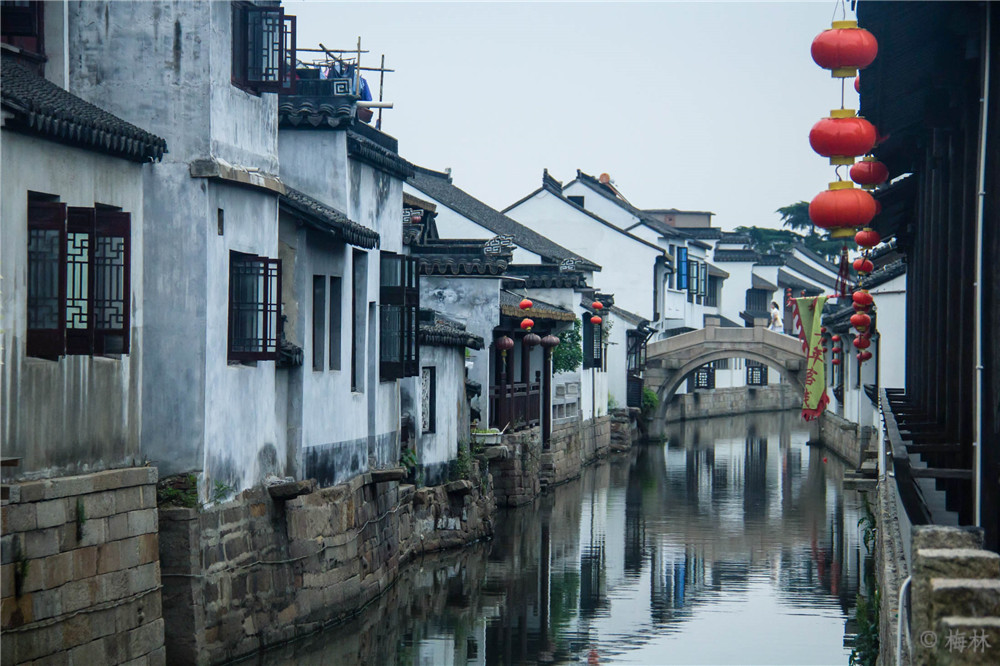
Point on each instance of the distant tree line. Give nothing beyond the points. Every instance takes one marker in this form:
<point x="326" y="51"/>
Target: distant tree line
<point x="795" y="219"/>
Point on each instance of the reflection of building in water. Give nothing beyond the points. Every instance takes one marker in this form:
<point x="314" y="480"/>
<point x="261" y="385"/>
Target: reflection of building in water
<point x="755" y="478"/>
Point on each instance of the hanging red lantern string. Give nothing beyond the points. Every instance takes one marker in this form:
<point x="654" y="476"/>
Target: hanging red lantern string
<point x="869" y="172"/>
<point x="525" y="304"/>
<point x="862" y="342"/>
<point x="595" y="320"/>
<point x="863" y="265"/>
<point x="860" y="321"/>
<point x="844" y="49"/>
<point x="841" y="209"/>
<point x="842" y="137"/>
<point x="862" y="297"/>
<point x="867" y="237"/>
<point x="527" y="323"/>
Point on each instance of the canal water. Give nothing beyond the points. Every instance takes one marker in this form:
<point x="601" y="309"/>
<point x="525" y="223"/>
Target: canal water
<point x="732" y="542"/>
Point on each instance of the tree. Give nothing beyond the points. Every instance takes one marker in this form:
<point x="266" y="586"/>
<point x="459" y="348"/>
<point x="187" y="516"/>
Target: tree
<point x="796" y="217"/>
<point x="568" y="355"/>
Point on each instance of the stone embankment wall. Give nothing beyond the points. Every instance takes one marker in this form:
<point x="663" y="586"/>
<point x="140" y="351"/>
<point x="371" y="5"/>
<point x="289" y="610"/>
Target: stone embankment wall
<point x="845" y="438"/>
<point x="81" y="572"/>
<point x="522" y="468"/>
<point x="257" y="571"/>
<point x="954" y="592"/>
<point x="728" y="401"/>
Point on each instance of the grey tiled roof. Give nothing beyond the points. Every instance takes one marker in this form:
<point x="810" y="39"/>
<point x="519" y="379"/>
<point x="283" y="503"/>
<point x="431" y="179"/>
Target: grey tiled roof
<point x="439" y="187"/>
<point x="365" y="150"/>
<point x="329" y="219"/>
<point x="647" y="219"/>
<point x="883" y="275"/>
<point x="438" y="330"/>
<point x="41" y="107"/>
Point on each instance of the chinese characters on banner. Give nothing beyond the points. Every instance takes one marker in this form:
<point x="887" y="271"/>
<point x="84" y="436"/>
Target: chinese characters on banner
<point x="815" y="399"/>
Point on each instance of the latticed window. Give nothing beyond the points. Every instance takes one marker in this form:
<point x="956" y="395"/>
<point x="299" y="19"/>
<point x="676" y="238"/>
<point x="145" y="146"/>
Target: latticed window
<point x="78" y="280"/>
<point x="263" y="48"/>
<point x="399" y="309"/>
<point x="254" y="307"/>
<point x="593" y="344"/>
<point x="756" y="373"/>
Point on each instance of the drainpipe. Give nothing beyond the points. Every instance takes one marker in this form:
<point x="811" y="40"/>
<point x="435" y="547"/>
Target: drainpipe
<point x="977" y="403"/>
<point x="65" y="44"/>
<point x="899" y="620"/>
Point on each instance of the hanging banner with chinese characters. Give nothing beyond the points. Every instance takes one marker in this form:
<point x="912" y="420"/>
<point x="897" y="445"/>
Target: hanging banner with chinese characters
<point x="815" y="399"/>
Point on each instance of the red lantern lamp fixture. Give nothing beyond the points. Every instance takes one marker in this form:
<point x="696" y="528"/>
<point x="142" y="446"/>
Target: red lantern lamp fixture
<point x="841" y="209"/>
<point x="842" y="137"/>
<point x="504" y="344"/>
<point x="844" y="49"/>
<point x="532" y="339"/>
<point x="527" y="323"/>
<point x="863" y="265"/>
<point x="862" y="297"/>
<point x="525" y="303"/>
<point x="597" y="305"/>
<point x="836" y="360"/>
<point x="837" y="350"/>
<point x="860" y="321"/>
<point x="595" y="320"/>
<point x="550" y="341"/>
<point x="867" y="237"/>
<point x="864" y="356"/>
<point x="857" y="83"/>
<point x="869" y="172"/>
<point x="862" y="342"/>
<point x="835" y="338"/>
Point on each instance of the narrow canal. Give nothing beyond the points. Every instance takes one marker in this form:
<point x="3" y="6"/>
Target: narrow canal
<point x="731" y="543"/>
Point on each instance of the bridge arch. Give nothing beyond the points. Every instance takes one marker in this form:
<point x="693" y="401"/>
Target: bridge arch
<point x="670" y="361"/>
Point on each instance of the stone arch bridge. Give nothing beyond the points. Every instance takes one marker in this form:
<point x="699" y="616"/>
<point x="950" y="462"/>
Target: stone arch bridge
<point x="669" y="361"/>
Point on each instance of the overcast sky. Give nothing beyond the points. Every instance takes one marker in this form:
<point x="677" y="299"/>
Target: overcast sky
<point x="697" y="106"/>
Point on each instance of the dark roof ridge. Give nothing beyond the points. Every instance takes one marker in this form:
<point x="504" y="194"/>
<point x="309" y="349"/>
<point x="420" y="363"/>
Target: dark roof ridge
<point x="580" y="208"/>
<point x="320" y="214"/>
<point x="644" y="218"/>
<point x="449" y="194"/>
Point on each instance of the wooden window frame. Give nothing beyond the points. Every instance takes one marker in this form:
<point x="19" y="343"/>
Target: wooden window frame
<point x="593" y="345"/>
<point x="275" y="48"/>
<point x="99" y="323"/>
<point x="23" y="26"/>
<point x="263" y="301"/>
<point x="399" y="313"/>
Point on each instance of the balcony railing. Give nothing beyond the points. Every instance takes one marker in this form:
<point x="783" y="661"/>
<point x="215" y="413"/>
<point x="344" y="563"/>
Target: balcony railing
<point x="517" y="404"/>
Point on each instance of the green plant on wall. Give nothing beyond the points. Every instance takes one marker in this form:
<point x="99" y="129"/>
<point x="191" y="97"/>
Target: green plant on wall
<point x="568" y="355"/>
<point x="649" y="401"/>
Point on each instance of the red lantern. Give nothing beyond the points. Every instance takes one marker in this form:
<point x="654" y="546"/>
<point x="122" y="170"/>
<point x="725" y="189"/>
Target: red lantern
<point x="842" y="137"/>
<point x="857" y="83"/>
<point x="527" y="323"/>
<point x="825" y="350"/>
<point x="864" y="356"/>
<point x="862" y="297"/>
<point x="869" y="172"/>
<point x="837" y="350"/>
<point x="550" y="341"/>
<point x="844" y="49"/>
<point x="595" y="320"/>
<point x="416" y="218"/>
<point x="867" y="238"/>
<point x="858" y="307"/>
<point x="860" y="321"/>
<point x="504" y="343"/>
<point x="835" y="361"/>
<point x="822" y="329"/>
<point x="532" y="339"/>
<point x="835" y="338"/>
<point x="525" y="304"/>
<point x="841" y="208"/>
<point x="862" y="342"/>
<point x="597" y="305"/>
<point x="863" y="265"/>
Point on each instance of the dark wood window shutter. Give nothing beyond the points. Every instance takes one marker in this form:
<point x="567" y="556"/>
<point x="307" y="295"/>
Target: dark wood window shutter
<point x="589" y="357"/>
<point x="46" y="279"/>
<point x="399" y="313"/>
<point x="254" y="307"/>
<point x="80" y="224"/>
<point x="111" y="258"/>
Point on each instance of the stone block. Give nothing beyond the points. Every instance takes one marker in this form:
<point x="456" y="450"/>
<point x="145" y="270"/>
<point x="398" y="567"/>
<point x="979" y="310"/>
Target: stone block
<point x="108" y="557"/>
<point x="17" y="611"/>
<point x="157" y="657"/>
<point x="143" y="577"/>
<point x="149" y="550"/>
<point x="30" y="645"/>
<point x="41" y="543"/>
<point x="21" y="517"/>
<point x="144" y="639"/>
<point x="99" y="505"/>
<point x="965" y="597"/>
<point x="52" y="513"/>
<point x="58" y="569"/>
<point x="85" y="562"/>
<point x="128" y="499"/>
<point x="46" y="604"/>
<point x="77" y="631"/>
<point x="94" y="531"/>
<point x="79" y="594"/>
<point x="128" y="550"/>
<point x="148" y="497"/>
<point x="34" y="574"/>
<point x="7" y="580"/>
<point x="142" y="522"/>
<point x="938" y="536"/>
<point x="114" y="585"/>
<point x="965" y="641"/>
<point x="117" y="526"/>
<point x="91" y="653"/>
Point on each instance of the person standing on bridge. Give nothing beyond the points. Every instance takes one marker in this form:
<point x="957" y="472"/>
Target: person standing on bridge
<point x="776" y="325"/>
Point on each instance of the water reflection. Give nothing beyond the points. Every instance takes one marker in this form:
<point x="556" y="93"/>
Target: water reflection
<point x="731" y="543"/>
